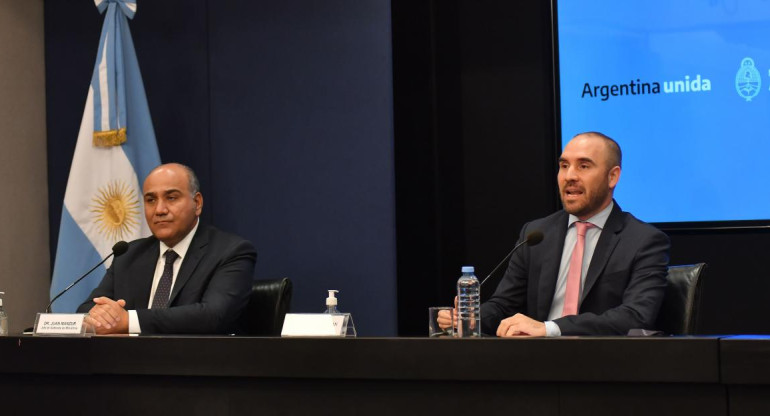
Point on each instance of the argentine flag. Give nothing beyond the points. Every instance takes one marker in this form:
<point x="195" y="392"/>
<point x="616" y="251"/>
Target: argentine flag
<point x="115" y="151"/>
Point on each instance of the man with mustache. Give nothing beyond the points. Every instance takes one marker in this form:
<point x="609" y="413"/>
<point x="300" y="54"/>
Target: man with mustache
<point x="186" y="278"/>
<point x="598" y="271"/>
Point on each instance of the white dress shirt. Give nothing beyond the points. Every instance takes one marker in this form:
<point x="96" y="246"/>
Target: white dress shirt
<point x="181" y="250"/>
<point x="592" y="237"/>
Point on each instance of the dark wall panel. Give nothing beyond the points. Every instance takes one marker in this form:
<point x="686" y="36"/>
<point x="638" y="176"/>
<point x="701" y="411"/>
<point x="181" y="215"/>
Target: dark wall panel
<point x="302" y="147"/>
<point x="173" y="56"/>
<point x="507" y="110"/>
<point x="428" y="157"/>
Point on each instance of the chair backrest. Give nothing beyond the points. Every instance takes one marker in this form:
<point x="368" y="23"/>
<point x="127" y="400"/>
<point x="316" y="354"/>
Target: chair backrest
<point x="679" y="312"/>
<point x="269" y="302"/>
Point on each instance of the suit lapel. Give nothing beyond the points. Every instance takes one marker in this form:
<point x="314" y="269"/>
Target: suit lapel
<point x="144" y="272"/>
<point x="191" y="259"/>
<point x="549" y="273"/>
<point x="604" y="247"/>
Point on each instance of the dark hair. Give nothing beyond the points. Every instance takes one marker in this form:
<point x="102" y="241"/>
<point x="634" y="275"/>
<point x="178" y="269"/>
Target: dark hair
<point x="616" y="155"/>
<point x="195" y="186"/>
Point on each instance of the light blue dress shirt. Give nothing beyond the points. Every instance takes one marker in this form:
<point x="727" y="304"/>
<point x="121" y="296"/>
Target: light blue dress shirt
<point x="592" y="237"/>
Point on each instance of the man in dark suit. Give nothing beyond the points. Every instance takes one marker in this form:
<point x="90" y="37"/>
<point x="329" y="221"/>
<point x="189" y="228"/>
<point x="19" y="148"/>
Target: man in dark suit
<point x="599" y="270"/>
<point x="186" y="278"/>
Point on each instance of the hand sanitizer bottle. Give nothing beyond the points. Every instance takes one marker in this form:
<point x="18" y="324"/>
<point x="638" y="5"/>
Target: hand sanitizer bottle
<point x="331" y="302"/>
<point x="348" y="327"/>
<point x="3" y="318"/>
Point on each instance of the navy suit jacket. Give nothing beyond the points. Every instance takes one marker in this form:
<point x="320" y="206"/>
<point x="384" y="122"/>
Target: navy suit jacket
<point x="211" y="289"/>
<point x="623" y="287"/>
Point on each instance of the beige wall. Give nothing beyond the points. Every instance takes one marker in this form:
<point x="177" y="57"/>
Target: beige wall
<point x="24" y="254"/>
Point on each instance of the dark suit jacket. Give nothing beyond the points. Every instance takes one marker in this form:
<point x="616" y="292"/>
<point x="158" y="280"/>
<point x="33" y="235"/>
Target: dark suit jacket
<point x="623" y="287"/>
<point x="210" y="291"/>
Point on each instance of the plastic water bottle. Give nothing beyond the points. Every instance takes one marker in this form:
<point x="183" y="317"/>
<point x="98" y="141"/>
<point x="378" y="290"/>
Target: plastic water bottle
<point x="3" y="318"/>
<point x="468" y="304"/>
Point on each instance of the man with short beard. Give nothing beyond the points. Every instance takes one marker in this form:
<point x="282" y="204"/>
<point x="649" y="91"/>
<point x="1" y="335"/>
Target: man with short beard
<point x="616" y="284"/>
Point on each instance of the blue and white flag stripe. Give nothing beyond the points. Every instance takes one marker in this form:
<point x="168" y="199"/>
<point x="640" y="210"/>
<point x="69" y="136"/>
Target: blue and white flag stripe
<point x="115" y="151"/>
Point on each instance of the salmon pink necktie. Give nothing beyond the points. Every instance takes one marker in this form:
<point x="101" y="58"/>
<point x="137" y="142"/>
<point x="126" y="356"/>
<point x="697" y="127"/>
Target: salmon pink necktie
<point x="575" y="268"/>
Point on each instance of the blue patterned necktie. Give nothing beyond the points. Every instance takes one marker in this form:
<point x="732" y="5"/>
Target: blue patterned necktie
<point x="163" y="291"/>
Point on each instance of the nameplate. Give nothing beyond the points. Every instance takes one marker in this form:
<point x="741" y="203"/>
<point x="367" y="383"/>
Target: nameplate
<point x="60" y="324"/>
<point x="314" y="325"/>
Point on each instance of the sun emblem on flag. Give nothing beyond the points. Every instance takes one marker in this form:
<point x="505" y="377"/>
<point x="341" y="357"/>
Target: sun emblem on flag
<point x="116" y="210"/>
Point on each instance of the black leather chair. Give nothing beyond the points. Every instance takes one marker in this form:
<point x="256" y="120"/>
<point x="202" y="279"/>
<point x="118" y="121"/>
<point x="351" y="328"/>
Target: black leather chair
<point x="679" y="312"/>
<point x="269" y="302"/>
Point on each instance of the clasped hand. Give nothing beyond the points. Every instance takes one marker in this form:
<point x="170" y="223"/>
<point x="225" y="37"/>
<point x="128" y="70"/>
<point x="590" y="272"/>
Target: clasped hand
<point x="108" y="316"/>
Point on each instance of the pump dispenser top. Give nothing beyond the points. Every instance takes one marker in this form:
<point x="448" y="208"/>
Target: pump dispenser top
<point x="331" y="302"/>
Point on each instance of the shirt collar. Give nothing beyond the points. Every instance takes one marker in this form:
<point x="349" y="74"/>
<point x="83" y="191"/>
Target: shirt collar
<point x="597" y="220"/>
<point x="181" y="247"/>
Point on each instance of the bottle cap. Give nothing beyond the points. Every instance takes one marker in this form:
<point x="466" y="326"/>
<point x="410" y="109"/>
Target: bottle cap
<point x="331" y="300"/>
<point x="468" y="269"/>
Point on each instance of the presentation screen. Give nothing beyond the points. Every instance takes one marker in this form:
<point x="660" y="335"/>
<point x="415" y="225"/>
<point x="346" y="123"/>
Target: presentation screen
<point x="684" y="88"/>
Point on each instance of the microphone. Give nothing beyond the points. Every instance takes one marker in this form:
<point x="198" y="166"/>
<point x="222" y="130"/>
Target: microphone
<point x="533" y="238"/>
<point x="119" y="248"/>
